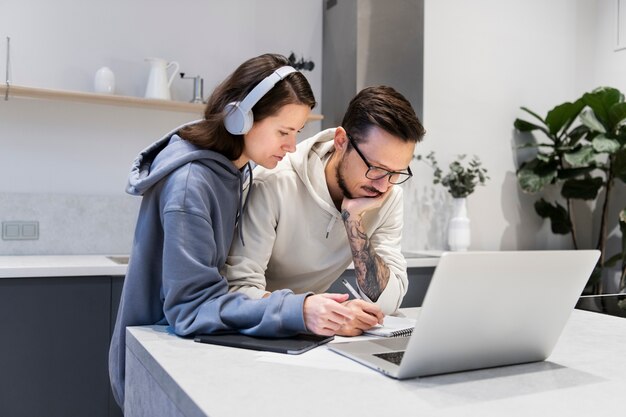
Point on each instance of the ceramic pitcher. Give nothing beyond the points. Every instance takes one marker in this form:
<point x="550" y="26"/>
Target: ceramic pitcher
<point x="158" y="80"/>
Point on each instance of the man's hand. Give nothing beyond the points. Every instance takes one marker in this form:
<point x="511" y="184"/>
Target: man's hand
<point x="366" y="315"/>
<point x="358" y="206"/>
<point x="325" y="315"/>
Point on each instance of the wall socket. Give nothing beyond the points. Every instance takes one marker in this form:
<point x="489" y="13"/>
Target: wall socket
<point x="20" y="230"/>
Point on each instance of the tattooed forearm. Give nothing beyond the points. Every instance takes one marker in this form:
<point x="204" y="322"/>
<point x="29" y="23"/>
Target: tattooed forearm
<point x="372" y="273"/>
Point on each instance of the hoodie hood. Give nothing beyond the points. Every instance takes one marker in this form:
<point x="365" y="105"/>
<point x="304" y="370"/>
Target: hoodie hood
<point x="168" y="154"/>
<point x="307" y="161"/>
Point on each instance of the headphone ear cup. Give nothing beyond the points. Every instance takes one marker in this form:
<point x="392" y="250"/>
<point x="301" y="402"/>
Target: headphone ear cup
<point x="237" y="121"/>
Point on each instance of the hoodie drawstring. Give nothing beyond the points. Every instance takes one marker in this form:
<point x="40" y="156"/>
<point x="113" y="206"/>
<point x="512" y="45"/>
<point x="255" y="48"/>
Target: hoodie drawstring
<point x="333" y="219"/>
<point x="243" y="204"/>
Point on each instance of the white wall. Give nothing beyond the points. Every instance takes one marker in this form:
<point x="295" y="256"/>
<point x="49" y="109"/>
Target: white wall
<point x="483" y="60"/>
<point x="58" y="153"/>
<point x="61" y="44"/>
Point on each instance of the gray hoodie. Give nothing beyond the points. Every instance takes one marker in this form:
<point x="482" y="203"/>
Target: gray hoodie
<point x="191" y="204"/>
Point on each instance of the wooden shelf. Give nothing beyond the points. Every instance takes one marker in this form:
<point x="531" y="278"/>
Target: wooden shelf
<point x="16" y="91"/>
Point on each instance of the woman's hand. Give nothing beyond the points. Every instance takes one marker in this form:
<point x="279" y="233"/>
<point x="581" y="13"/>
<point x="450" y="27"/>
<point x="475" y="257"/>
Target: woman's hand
<point x="325" y="315"/>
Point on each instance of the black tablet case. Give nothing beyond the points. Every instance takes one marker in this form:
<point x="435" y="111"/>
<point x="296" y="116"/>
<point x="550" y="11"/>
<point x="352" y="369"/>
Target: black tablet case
<point x="291" y="345"/>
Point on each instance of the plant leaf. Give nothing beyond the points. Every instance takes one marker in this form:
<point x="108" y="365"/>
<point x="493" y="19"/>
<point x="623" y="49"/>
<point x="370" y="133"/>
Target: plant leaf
<point x="600" y="101"/>
<point x="533" y="145"/>
<point x="589" y="120"/>
<point x="524" y="126"/>
<point x="559" y="221"/>
<point x="582" y="157"/>
<point x="603" y="144"/>
<point x="535" y="115"/>
<point x="582" y="189"/>
<point x="536" y="174"/>
<point x="617" y="114"/>
<point x="562" y="114"/>
<point x="576" y="134"/>
<point x="566" y="173"/>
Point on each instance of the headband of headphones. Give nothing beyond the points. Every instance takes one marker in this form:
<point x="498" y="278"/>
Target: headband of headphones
<point x="239" y="117"/>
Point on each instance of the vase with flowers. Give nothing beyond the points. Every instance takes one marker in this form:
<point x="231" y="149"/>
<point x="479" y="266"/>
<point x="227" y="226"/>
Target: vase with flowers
<point x="460" y="181"/>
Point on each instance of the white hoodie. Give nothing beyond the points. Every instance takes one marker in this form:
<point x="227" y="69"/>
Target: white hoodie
<point x="295" y="238"/>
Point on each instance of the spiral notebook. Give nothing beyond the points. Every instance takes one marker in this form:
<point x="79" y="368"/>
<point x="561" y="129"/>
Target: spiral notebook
<point x="393" y="327"/>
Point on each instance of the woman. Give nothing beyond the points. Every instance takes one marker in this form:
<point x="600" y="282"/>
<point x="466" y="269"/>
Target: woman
<point x="191" y="181"/>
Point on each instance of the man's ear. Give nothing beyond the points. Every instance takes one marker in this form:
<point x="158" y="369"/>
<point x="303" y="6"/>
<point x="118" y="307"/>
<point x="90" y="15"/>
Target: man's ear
<point x="341" y="140"/>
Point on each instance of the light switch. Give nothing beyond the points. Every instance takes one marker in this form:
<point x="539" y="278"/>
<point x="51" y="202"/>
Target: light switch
<point x="30" y="230"/>
<point x="10" y="230"/>
<point x="20" y="230"/>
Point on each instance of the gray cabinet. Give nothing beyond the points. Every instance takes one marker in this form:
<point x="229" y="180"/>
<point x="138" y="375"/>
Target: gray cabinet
<point x="54" y="340"/>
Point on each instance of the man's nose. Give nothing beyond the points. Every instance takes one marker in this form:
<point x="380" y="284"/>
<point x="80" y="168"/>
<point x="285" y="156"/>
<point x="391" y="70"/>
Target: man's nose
<point x="382" y="184"/>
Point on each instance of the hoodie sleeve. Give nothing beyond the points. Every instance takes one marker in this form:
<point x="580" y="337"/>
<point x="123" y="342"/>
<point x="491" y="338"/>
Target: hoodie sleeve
<point x="196" y="298"/>
<point x="386" y="242"/>
<point x="246" y="265"/>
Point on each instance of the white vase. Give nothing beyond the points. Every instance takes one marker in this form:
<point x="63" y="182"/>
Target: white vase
<point x="459" y="226"/>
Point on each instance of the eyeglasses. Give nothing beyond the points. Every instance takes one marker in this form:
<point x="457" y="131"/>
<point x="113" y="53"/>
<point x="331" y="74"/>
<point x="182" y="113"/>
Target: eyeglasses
<point x="376" y="173"/>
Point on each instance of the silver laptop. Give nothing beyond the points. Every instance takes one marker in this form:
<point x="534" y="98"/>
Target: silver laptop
<point x="481" y="310"/>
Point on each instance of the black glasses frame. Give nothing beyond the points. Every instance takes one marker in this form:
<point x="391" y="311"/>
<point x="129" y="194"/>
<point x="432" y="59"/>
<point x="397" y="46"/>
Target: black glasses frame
<point x="403" y="176"/>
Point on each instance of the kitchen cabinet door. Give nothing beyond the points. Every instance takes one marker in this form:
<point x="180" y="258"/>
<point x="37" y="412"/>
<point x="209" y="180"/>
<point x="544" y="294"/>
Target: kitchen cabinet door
<point x="54" y="342"/>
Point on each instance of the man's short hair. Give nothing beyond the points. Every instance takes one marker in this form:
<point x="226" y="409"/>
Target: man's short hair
<point x="386" y="108"/>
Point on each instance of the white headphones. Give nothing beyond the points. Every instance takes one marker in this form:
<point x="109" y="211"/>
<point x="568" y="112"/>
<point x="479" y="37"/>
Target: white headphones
<point x="239" y="118"/>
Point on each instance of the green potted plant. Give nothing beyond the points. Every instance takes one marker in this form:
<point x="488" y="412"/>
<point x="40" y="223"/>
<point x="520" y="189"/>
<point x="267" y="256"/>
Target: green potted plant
<point x="460" y="181"/>
<point x="582" y="154"/>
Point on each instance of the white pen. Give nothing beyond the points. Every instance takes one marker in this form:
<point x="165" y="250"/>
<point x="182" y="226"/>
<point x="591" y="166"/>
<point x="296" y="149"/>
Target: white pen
<point x="351" y="289"/>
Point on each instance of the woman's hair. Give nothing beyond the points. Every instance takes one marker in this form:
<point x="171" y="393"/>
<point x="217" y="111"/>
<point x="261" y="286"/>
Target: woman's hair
<point x="211" y="133"/>
<point x="385" y="108"/>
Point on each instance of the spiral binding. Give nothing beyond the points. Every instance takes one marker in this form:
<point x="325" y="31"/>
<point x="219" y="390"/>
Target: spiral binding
<point x="401" y="333"/>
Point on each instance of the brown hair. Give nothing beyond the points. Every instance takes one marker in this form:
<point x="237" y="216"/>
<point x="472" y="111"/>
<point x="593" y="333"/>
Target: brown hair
<point x="383" y="107"/>
<point x="211" y="133"/>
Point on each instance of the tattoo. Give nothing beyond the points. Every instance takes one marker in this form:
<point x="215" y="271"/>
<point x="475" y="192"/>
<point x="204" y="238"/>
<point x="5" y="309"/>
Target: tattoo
<point x="372" y="273"/>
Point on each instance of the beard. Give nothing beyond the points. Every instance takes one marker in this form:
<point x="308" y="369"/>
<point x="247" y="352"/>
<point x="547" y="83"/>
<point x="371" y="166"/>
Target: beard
<point x="341" y="182"/>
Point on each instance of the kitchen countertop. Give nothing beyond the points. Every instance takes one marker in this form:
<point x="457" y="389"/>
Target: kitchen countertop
<point x="61" y="266"/>
<point x="103" y="265"/>
<point x="173" y="376"/>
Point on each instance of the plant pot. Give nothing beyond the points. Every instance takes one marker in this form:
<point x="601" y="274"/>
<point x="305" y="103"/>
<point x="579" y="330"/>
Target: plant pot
<point x="459" y="226"/>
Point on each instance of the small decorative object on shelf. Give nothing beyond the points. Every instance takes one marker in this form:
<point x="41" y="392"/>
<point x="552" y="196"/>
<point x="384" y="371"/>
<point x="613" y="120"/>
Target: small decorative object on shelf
<point x="159" y="83"/>
<point x="460" y="182"/>
<point x="300" y="64"/>
<point x="104" y="81"/>
<point x="198" y="88"/>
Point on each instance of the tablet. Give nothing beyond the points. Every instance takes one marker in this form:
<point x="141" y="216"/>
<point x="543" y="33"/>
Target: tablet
<point x="291" y="345"/>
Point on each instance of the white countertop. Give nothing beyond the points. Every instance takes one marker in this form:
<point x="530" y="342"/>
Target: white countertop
<point x="103" y="265"/>
<point x="59" y="266"/>
<point x="584" y="376"/>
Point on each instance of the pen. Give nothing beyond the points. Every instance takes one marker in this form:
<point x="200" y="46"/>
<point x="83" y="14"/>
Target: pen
<point x="351" y="289"/>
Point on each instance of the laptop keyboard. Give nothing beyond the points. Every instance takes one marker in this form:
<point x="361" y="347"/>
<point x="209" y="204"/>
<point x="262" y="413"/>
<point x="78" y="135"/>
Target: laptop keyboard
<point x="393" y="357"/>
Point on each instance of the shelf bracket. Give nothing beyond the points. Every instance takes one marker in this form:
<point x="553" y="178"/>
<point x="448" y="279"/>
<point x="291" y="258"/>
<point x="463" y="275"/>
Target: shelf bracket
<point x="8" y="76"/>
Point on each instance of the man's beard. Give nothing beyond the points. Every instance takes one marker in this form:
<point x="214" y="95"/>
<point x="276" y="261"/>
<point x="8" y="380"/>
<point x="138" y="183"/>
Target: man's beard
<point x="341" y="181"/>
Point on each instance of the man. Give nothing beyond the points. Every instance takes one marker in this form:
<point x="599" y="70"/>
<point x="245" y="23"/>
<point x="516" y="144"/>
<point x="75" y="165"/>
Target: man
<point x="346" y="175"/>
